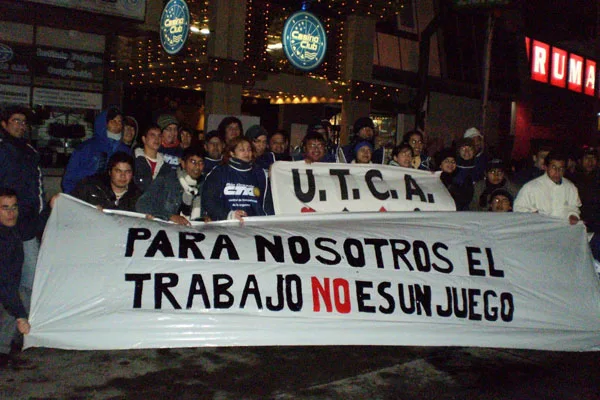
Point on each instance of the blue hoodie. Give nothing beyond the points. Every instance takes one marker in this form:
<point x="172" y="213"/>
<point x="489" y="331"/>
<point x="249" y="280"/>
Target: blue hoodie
<point x="91" y="156"/>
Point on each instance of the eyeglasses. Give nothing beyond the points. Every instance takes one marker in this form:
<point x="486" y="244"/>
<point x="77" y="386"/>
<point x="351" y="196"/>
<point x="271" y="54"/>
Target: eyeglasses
<point x="18" y="121"/>
<point x="496" y="172"/>
<point x="196" y="162"/>
<point x="316" y="146"/>
<point x="557" y="169"/>
<point x="9" y="208"/>
<point x="499" y="200"/>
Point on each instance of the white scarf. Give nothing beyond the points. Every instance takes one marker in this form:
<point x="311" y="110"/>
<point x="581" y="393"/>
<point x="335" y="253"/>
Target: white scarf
<point x="191" y="194"/>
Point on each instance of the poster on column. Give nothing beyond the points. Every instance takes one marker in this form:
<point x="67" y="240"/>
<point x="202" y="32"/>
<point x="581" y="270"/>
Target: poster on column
<point x="112" y="281"/>
<point x="298" y="187"/>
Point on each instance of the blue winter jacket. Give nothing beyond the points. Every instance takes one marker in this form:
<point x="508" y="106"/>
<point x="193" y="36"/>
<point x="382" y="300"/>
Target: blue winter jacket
<point x="20" y="171"/>
<point x="237" y="185"/>
<point x="91" y="156"/>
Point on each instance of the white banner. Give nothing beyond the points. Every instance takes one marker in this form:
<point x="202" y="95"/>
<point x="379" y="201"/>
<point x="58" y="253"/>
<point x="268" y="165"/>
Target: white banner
<point x="427" y="279"/>
<point x="67" y="98"/>
<point x="12" y="95"/>
<point x="321" y="187"/>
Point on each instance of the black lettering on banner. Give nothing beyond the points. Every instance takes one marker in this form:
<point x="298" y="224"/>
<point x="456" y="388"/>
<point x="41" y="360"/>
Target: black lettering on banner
<point x="275" y="248"/>
<point x="436" y="247"/>
<point x="490" y="313"/>
<point x="447" y="312"/>
<point x="299" y="249"/>
<point x="279" y="306"/>
<point x="369" y="176"/>
<point x="341" y="174"/>
<point x="458" y="311"/>
<point x="304" y="197"/>
<point x="507" y="307"/>
<point x="493" y="271"/>
<point x="421" y="256"/>
<point x="474" y="315"/>
<point x="337" y="258"/>
<point x="473" y="262"/>
<point x="381" y="289"/>
<point x="362" y="297"/>
<point x="138" y="287"/>
<point x="377" y="245"/>
<point x="222" y="282"/>
<point x="162" y="283"/>
<point x="187" y="241"/>
<point x="135" y="234"/>
<point x="412" y="188"/>
<point x="293" y="292"/>
<point x="251" y="288"/>
<point x="419" y="297"/>
<point x="197" y="287"/>
<point x="359" y="259"/>
<point x="223" y="242"/>
<point x="401" y="253"/>
<point x="160" y="243"/>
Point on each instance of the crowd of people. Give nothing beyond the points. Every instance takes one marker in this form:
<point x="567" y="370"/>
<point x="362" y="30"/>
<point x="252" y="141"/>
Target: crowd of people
<point x="171" y="172"/>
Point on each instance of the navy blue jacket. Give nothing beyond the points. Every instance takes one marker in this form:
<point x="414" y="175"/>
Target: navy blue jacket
<point x="20" y="171"/>
<point x="11" y="263"/>
<point x="236" y="186"/>
<point x="91" y="156"/>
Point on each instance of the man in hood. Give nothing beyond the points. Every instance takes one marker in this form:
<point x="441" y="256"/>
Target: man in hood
<point x="91" y="156"/>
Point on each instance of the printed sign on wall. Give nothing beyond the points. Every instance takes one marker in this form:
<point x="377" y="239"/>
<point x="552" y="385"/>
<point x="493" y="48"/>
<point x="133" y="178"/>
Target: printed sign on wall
<point x="304" y="41"/>
<point x="174" y="26"/>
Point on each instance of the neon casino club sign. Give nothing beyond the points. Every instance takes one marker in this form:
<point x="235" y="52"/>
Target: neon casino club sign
<point x="174" y="26"/>
<point x="304" y="41"/>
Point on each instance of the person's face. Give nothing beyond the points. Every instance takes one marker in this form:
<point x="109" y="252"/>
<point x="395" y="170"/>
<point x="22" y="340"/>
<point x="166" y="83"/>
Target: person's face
<point x="260" y="145"/>
<point x="314" y="150"/>
<point x="500" y="203"/>
<point x="416" y="143"/>
<point x="589" y="162"/>
<point x="9" y="211"/>
<point x="186" y="139"/>
<point x="404" y="158"/>
<point x="115" y="125"/>
<point x="128" y="134"/>
<point x="477" y="143"/>
<point x="466" y="152"/>
<point x="539" y="158"/>
<point x="364" y="154"/>
<point x="555" y="170"/>
<point x="448" y="165"/>
<point x="152" y="139"/>
<point x="366" y="133"/>
<point x="214" y="147"/>
<point x="16" y="126"/>
<point x="169" y="134"/>
<point x="495" y="176"/>
<point x="232" y="131"/>
<point x="193" y="166"/>
<point x="243" y="151"/>
<point x="278" y="144"/>
<point x="120" y="176"/>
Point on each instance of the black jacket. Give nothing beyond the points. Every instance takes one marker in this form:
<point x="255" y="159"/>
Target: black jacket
<point x="11" y="263"/>
<point x="97" y="191"/>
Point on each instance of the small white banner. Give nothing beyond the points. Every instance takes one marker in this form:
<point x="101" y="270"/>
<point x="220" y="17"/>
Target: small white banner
<point x="428" y="279"/>
<point x="321" y="187"/>
<point x="11" y="95"/>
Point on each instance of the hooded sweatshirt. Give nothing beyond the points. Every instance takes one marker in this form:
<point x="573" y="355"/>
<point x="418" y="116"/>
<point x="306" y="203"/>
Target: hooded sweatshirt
<point x="91" y="156"/>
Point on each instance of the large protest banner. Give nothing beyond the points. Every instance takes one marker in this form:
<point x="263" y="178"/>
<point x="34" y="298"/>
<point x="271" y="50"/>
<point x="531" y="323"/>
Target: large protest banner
<point x="109" y="281"/>
<point x="322" y="187"/>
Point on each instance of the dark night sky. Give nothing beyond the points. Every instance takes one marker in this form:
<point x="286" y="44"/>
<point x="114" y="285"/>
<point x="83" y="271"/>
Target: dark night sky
<point x="559" y="20"/>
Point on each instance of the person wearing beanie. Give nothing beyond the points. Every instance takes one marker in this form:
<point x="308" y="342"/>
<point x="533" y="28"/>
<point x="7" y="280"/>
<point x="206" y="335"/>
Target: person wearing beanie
<point x="91" y="156"/>
<point x="495" y="178"/>
<point x="213" y="145"/>
<point x="364" y="130"/>
<point x="169" y="148"/>
<point x="481" y="157"/>
<point x="364" y="152"/>
<point x="501" y="201"/>
<point x="461" y="193"/>
<point x="421" y="160"/>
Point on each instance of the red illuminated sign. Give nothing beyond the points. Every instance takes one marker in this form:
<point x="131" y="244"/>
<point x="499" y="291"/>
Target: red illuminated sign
<point x="560" y="68"/>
